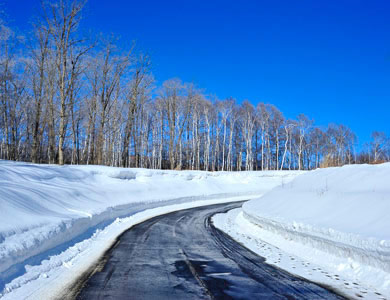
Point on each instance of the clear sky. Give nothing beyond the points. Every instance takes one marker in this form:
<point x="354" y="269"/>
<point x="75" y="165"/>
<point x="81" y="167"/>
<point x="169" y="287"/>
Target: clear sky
<point x="328" y="59"/>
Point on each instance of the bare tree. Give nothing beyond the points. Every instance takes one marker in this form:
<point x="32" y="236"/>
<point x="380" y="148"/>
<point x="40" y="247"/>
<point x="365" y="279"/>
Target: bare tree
<point x="248" y="123"/>
<point x="38" y="75"/>
<point x="304" y="125"/>
<point x="63" y="18"/>
<point x="138" y="85"/>
<point x="110" y="67"/>
<point x="378" y="144"/>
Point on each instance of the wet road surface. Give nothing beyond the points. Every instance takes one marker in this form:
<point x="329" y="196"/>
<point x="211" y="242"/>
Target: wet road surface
<point x="182" y="256"/>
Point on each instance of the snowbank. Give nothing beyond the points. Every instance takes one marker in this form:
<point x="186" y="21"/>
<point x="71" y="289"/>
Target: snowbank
<point x="301" y="259"/>
<point x="344" y="212"/>
<point x="46" y="209"/>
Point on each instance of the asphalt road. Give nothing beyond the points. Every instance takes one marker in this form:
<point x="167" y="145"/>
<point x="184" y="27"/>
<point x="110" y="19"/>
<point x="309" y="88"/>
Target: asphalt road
<point x="182" y="256"/>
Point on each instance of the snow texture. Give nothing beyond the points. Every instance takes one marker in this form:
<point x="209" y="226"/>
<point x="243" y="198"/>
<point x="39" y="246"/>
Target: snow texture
<point x="300" y="259"/>
<point x="342" y="213"/>
<point x="48" y="210"/>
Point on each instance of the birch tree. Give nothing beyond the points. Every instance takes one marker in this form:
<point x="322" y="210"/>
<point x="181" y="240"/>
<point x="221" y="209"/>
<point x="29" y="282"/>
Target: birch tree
<point x="63" y="18"/>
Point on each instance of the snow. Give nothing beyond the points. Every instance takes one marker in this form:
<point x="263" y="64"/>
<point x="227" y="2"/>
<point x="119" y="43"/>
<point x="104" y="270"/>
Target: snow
<point x="297" y="258"/>
<point x="336" y="219"/>
<point x="54" y="218"/>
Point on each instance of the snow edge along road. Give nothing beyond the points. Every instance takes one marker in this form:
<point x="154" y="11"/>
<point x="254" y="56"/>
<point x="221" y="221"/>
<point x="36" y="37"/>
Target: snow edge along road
<point x="301" y="259"/>
<point x="53" y="277"/>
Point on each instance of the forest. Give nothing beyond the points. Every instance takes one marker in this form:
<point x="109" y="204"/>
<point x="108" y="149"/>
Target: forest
<point x="67" y="97"/>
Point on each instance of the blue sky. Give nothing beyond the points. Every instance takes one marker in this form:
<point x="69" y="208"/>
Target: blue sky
<point x="327" y="59"/>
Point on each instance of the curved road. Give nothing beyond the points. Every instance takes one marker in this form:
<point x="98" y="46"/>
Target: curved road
<point x="182" y="256"/>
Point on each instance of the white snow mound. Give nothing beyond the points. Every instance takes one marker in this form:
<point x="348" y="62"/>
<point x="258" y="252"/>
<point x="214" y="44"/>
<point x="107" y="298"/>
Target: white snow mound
<point x="343" y="211"/>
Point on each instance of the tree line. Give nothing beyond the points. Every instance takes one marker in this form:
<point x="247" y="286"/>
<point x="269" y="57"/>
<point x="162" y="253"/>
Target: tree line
<point x="69" y="99"/>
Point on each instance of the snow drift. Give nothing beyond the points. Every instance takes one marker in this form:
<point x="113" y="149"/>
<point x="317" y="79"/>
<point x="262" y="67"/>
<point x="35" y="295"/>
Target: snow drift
<point x="46" y="209"/>
<point x="342" y="211"/>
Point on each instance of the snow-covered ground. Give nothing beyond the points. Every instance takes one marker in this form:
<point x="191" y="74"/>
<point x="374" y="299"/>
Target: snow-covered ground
<point x="329" y="225"/>
<point x="56" y="221"/>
